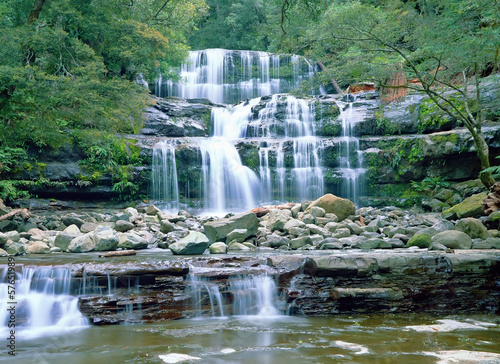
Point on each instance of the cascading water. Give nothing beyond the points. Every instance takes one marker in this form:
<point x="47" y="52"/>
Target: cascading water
<point x="226" y="76"/>
<point x="351" y="158"/>
<point x="43" y="303"/>
<point x="245" y="296"/>
<point x="164" y="181"/>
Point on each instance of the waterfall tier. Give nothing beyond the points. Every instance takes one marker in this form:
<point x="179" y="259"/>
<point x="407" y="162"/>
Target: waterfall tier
<point x="227" y="76"/>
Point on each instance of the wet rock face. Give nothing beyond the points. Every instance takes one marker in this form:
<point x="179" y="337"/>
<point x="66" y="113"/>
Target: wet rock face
<point x="380" y="282"/>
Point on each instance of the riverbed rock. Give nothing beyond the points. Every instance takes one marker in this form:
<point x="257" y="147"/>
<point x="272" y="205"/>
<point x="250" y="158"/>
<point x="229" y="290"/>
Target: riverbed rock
<point x="472" y="227"/>
<point x="123" y="226"/>
<point x="131" y="240"/>
<point x="3" y="253"/>
<point x="105" y="238"/>
<point x="341" y="207"/>
<point x="82" y="244"/>
<point x="218" y="248"/>
<point x="166" y="226"/>
<point x="278" y="219"/>
<point x="300" y="242"/>
<point x="218" y="230"/>
<point x="64" y="239"/>
<point x="14" y="248"/>
<point x="453" y="239"/>
<point x="420" y="240"/>
<point x="470" y="207"/>
<point x="38" y="248"/>
<point x="193" y="244"/>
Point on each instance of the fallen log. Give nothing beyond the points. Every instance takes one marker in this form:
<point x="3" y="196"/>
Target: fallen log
<point x="120" y="253"/>
<point x="23" y="212"/>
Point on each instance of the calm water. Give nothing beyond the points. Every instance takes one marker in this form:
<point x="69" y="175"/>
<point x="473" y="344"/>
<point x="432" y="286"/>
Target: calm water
<point x="287" y="340"/>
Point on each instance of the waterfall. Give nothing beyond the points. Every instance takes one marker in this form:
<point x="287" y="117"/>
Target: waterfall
<point x="247" y="296"/>
<point x="164" y="181"/>
<point x="226" y="76"/>
<point x="351" y="157"/>
<point x="42" y="302"/>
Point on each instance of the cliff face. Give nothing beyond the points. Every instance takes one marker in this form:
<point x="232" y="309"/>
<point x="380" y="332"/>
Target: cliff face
<point x="398" y="143"/>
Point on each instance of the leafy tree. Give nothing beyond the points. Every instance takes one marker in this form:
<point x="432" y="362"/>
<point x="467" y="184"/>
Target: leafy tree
<point x="443" y="46"/>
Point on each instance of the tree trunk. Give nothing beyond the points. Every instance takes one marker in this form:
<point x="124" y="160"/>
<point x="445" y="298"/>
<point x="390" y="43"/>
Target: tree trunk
<point x="483" y="154"/>
<point x="35" y="11"/>
<point x="333" y="82"/>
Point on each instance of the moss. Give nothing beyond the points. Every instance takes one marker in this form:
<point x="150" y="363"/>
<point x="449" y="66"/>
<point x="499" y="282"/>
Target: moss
<point x="249" y="155"/>
<point x="444" y="138"/>
<point x="421" y="241"/>
<point x="471" y="206"/>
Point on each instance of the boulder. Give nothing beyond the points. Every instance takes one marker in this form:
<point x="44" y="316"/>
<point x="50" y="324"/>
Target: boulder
<point x="470" y="207"/>
<point x="293" y="223"/>
<point x="317" y="211"/>
<point x="72" y="229"/>
<point x="420" y="240"/>
<point x="38" y="248"/>
<point x="72" y="220"/>
<point x="218" y="248"/>
<point x="3" y="253"/>
<point x="472" y="227"/>
<point x="238" y="235"/>
<point x="14" y="248"/>
<point x="87" y="227"/>
<point x="238" y="246"/>
<point x="193" y="244"/>
<point x="300" y="242"/>
<point x="453" y="239"/>
<point x="336" y="205"/>
<point x="131" y="240"/>
<point x="218" y="230"/>
<point x="152" y="210"/>
<point x="166" y="226"/>
<point x="82" y="244"/>
<point x="64" y="239"/>
<point x="105" y="238"/>
<point x="278" y="219"/>
<point x="123" y="226"/>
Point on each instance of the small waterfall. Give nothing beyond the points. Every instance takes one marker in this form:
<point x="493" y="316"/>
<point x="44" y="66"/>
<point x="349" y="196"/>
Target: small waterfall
<point x="247" y="296"/>
<point x="226" y="76"/>
<point x="164" y="181"/>
<point x="351" y="157"/>
<point x="42" y="302"/>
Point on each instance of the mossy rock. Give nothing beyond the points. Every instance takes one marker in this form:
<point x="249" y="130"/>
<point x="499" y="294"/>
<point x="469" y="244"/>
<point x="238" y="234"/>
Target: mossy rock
<point x="421" y="241"/>
<point x="470" y="207"/>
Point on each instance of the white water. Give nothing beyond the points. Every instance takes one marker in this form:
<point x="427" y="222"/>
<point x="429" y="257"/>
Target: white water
<point x="43" y="304"/>
<point x="164" y="181"/>
<point x="352" y="173"/>
<point x="247" y="296"/>
<point x="225" y="76"/>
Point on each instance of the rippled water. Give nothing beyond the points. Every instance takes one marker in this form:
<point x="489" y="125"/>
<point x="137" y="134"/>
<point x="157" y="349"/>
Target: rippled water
<point x="249" y="339"/>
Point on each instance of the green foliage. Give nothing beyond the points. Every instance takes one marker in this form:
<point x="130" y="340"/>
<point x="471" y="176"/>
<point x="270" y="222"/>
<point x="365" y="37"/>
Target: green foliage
<point x="494" y="170"/>
<point x="429" y="185"/>
<point x="9" y="191"/>
<point x="11" y="159"/>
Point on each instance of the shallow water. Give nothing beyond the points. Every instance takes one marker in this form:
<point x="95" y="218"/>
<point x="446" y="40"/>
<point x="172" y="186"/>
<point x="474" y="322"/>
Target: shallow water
<point x="277" y="339"/>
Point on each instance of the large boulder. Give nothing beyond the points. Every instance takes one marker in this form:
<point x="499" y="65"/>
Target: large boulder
<point x="472" y="227"/>
<point x="131" y="240"/>
<point x="470" y="207"/>
<point x="38" y="248"/>
<point x="453" y="239"/>
<point x="193" y="244"/>
<point x="218" y="230"/>
<point x="341" y="207"/>
<point x="82" y="244"/>
<point x="64" y="239"/>
<point x="278" y="219"/>
<point x="105" y="238"/>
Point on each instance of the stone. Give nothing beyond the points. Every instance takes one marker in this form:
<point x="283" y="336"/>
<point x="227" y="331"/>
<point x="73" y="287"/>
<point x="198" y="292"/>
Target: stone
<point x="152" y="210"/>
<point x="72" y="229"/>
<point x="437" y="246"/>
<point x="120" y="216"/>
<point x="218" y="230"/>
<point x="238" y="235"/>
<point x="472" y="227"/>
<point x="12" y="235"/>
<point x="420" y="240"/>
<point x="278" y="219"/>
<point x="38" y="248"/>
<point x="166" y="226"/>
<point x="275" y="241"/>
<point x="443" y="194"/>
<point x="132" y="214"/>
<point x="336" y="205"/>
<point x="14" y="248"/>
<point x="491" y="202"/>
<point x="317" y="211"/>
<point x="72" y="220"/>
<point x="470" y="207"/>
<point x="295" y="210"/>
<point x="238" y="246"/>
<point x="218" y="248"/>
<point x="342" y="233"/>
<point x="193" y="244"/>
<point x="453" y="239"/>
<point x="3" y="239"/>
<point x="64" y="239"/>
<point x="123" y="226"/>
<point x="308" y="219"/>
<point x="300" y="242"/>
<point x="105" y="238"/>
<point x="55" y="249"/>
<point x="82" y="244"/>
<point x="330" y="245"/>
<point x="354" y="228"/>
<point x="87" y="227"/>
<point x="131" y="240"/>
<point x="3" y="253"/>
<point x="293" y="223"/>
